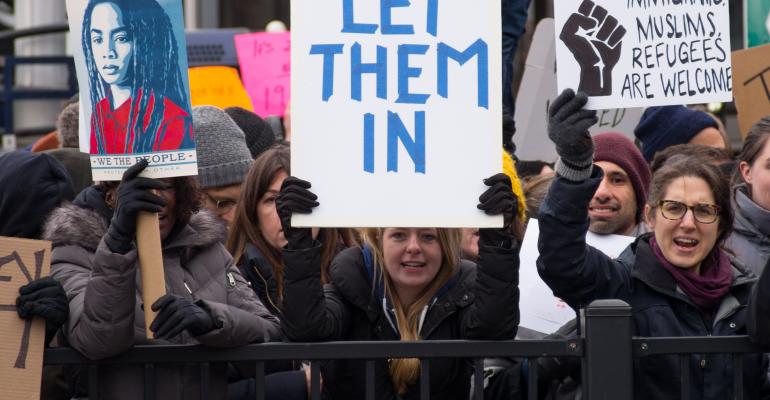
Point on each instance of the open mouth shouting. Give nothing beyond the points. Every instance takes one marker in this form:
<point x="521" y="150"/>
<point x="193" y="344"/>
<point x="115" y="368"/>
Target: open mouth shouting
<point x="413" y="266"/>
<point x="685" y="244"/>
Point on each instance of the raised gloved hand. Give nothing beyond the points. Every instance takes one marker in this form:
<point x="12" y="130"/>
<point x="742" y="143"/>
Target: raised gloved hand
<point x="175" y="314"/>
<point x="44" y="298"/>
<point x="295" y="198"/>
<point x="134" y="195"/>
<point x="568" y="127"/>
<point x="499" y="199"/>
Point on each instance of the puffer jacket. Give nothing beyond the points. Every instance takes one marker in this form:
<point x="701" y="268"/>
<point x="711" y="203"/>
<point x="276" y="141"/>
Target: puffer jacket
<point x="479" y="302"/>
<point x="105" y="298"/>
<point x="750" y="241"/>
<point x="579" y="274"/>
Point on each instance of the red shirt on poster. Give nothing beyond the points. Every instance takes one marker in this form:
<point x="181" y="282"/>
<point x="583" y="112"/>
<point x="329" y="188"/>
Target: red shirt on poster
<point x="174" y="131"/>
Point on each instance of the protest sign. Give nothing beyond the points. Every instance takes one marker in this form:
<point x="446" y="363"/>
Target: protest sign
<point x="265" y="60"/>
<point x="396" y="113"/>
<point x="641" y="53"/>
<point x="134" y="95"/>
<point x="538" y="89"/>
<point x="219" y="87"/>
<point x="752" y="86"/>
<point x="756" y="22"/>
<point x="541" y="311"/>
<point x="21" y="351"/>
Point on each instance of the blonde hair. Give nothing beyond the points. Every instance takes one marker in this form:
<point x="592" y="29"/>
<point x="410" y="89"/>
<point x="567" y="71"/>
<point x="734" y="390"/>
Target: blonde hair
<point x="405" y="371"/>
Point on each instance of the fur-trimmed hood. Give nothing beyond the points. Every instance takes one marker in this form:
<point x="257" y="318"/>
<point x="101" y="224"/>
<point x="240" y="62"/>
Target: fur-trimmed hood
<point x="70" y="225"/>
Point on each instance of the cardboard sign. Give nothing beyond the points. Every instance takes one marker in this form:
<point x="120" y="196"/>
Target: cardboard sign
<point x="265" y="60"/>
<point x="541" y="311"/>
<point x="21" y="352"/>
<point x="757" y="22"/>
<point x="134" y="96"/>
<point x="752" y="87"/>
<point x="538" y="89"/>
<point x="396" y="113"/>
<point x="641" y="53"/>
<point x="219" y="87"/>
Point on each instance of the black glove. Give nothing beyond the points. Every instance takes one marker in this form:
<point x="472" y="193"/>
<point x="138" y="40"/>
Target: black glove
<point x="499" y="199"/>
<point x="568" y="127"/>
<point x="175" y="314"/>
<point x="295" y="198"/>
<point x="45" y="298"/>
<point x="134" y="195"/>
<point x="509" y="129"/>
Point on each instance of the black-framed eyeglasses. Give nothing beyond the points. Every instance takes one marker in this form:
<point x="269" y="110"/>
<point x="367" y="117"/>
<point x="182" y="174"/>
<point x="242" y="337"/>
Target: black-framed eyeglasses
<point x="222" y="206"/>
<point x="703" y="213"/>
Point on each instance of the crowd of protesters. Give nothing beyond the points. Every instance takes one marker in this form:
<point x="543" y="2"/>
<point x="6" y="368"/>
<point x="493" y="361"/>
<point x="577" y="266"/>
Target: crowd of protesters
<point x="237" y="272"/>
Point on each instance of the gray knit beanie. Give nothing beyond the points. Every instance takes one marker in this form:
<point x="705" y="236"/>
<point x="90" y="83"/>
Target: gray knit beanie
<point x="67" y="126"/>
<point x="223" y="158"/>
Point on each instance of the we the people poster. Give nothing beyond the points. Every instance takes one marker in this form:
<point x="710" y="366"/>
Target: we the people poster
<point x="134" y="91"/>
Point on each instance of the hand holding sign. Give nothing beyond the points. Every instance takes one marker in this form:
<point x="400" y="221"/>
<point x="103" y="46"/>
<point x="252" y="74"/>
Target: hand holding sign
<point x="134" y="195"/>
<point x="594" y="38"/>
<point x="296" y="198"/>
<point x="499" y="199"/>
<point x="45" y="298"/>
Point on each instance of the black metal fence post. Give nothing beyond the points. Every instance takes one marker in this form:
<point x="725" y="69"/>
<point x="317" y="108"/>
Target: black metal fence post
<point x="608" y="362"/>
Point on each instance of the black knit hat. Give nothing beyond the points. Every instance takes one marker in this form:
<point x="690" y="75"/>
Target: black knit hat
<point x="259" y="135"/>
<point x="661" y="127"/>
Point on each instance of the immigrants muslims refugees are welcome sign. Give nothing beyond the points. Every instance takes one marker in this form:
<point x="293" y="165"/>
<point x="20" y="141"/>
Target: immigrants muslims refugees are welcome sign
<point x="639" y="53"/>
<point x="396" y="110"/>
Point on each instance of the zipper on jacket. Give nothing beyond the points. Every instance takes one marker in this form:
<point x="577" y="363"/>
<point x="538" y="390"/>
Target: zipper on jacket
<point x="267" y="288"/>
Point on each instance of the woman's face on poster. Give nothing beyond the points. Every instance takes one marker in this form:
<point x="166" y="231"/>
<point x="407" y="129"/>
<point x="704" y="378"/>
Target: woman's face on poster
<point x="111" y="43"/>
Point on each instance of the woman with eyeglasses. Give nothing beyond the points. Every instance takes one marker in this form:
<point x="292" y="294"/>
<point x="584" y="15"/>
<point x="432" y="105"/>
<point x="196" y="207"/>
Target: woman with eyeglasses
<point x="677" y="279"/>
<point x="750" y="240"/>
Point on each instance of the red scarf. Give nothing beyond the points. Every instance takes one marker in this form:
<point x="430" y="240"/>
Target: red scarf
<point x="707" y="288"/>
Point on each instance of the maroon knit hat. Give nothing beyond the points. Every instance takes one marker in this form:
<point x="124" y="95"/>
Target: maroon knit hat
<point x="618" y="149"/>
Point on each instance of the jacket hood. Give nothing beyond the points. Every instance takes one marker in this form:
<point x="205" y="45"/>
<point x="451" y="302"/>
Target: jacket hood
<point x="71" y="225"/>
<point x="750" y="219"/>
<point x="31" y="186"/>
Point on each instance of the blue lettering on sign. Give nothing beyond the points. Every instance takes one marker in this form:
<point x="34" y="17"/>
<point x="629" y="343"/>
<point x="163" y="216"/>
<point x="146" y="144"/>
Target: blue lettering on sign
<point x="348" y="23"/>
<point x="478" y="49"/>
<point x="358" y="68"/>
<point x="385" y="18"/>
<point x="409" y="69"/>
<point x="414" y="147"/>
<point x="328" y="51"/>
<point x="405" y="72"/>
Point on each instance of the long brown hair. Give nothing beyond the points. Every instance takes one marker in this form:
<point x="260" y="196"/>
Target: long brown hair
<point x="245" y="228"/>
<point x="405" y="371"/>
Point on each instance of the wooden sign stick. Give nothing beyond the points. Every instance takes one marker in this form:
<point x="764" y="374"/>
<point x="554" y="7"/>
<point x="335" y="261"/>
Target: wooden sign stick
<point x="151" y="264"/>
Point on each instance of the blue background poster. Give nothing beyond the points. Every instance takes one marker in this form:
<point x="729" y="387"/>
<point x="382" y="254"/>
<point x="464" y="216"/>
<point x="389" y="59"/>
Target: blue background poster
<point x="131" y="64"/>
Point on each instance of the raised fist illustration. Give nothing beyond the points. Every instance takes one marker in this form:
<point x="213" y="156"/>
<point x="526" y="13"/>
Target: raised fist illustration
<point x="594" y="38"/>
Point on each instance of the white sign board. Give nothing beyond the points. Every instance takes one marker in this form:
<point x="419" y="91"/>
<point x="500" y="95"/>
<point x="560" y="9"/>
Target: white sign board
<point x="538" y="89"/>
<point x="396" y="113"/>
<point x="641" y="53"/>
<point x="541" y="311"/>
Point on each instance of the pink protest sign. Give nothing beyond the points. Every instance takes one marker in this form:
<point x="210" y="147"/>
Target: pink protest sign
<point x="265" y="60"/>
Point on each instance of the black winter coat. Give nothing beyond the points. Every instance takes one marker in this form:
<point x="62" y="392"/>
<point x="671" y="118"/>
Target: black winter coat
<point x="579" y="274"/>
<point x="482" y="303"/>
<point x="258" y="271"/>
